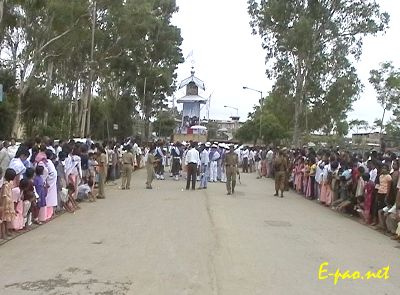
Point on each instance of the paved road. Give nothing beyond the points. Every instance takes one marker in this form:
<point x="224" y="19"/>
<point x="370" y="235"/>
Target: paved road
<point x="169" y="241"/>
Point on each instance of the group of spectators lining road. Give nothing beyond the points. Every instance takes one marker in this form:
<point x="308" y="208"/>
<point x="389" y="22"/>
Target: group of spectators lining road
<point x="362" y="185"/>
<point x="39" y="178"/>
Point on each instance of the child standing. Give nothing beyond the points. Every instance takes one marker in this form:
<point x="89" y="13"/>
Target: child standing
<point x="92" y="168"/>
<point x="33" y="211"/>
<point x="41" y="190"/>
<point x="7" y="212"/>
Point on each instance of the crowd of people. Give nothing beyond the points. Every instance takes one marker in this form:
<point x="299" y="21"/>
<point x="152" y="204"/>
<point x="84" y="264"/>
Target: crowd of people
<point x="365" y="185"/>
<point x="362" y="185"/>
<point x="196" y="162"/>
<point x="39" y="178"/>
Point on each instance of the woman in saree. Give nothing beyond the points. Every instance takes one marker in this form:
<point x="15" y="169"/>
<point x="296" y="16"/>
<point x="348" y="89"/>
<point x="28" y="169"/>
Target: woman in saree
<point x="73" y="169"/>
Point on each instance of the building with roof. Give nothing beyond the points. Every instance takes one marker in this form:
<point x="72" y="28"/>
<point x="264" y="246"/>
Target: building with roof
<point x="192" y="102"/>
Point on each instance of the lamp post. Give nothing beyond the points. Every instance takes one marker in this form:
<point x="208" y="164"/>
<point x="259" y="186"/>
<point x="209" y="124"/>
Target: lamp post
<point x="237" y="110"/>
<point x="261" y="105"/>
<point x="235" y="119"/>
<point x="145" y="107"/>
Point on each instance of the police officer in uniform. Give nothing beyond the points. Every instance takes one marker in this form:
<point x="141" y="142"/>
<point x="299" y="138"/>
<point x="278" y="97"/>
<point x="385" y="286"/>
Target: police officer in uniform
<point x="281" y="166"/>
<point x="128" y="162"/>
<point x="231" y="161"/>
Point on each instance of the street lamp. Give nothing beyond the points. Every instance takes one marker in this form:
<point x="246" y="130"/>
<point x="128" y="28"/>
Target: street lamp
<point x="235" y="119"/>
<point x="237" y="110"/>
<point x="261" y="105"/>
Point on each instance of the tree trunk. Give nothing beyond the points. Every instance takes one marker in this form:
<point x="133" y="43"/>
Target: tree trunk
<point x="70" y="96"/>
<point x="1" y="11"/>
<point x="298" y="103"/>
<point x="83" y="112"/>
<point x="15" y="132"/>
<point x="146" y="127"/>
<point x="383" y="118"/>
<point x="17" y="129"/>
<point x="89" y="99"/>
<point x="77" y="108"/>
<point x="50" y="67"/>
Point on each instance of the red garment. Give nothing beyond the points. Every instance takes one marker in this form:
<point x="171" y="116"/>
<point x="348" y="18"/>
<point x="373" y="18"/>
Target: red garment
<point x="368" y="191"/>
<point x="355" y="174"/>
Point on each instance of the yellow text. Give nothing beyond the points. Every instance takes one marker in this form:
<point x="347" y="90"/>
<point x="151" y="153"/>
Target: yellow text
<point x="324" y="273"/>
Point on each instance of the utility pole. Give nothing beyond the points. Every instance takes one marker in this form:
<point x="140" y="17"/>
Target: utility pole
<point x="261" y="107"/>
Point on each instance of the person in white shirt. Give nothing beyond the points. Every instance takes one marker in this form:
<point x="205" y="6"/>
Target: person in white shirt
<point x="192" y="160"/>
<point x="270" y="160"/>
<point x="4" y="157"/>
<point x="318" y="178"/>
<point x="373" y="172"/>
<point x="214" y="157"/>
<point x="252" y="155"/>
<point x="12" y="148"/>
<point x="85" y="191"/>
<point x="239" y="154"/>
<point x="204" y="159"/>
<point x="137" y="153"/>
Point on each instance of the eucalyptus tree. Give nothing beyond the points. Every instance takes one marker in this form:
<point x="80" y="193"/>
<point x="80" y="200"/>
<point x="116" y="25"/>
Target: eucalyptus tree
<point x="386" y="82"/>
<point x="310" y="46"/>
<point x="160" y="56"/>
<point x="137" y="51"/>
<point x="356" y="125"/>
<point x="58" y="50"/>
<point x="38" y="26"/>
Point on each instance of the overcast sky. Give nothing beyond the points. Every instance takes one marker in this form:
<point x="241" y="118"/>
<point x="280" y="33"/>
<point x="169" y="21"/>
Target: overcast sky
<point x="227" y="56"/>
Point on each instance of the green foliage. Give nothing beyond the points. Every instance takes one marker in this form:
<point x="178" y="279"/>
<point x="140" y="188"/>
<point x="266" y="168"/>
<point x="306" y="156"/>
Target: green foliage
<point x="46" y="46"/>
<point x="356" y="125"/>
<point x="212" y="130"/>
<point x="386" y="82"/>
<point x="164" y="124"/>
<point x="309" y="46"/>
<point x="7" y="106"/>
<point x="274" y="121"/>
<point x="247" y="132"/>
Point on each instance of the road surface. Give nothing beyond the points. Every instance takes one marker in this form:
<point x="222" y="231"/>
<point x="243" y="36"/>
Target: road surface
<point x="170" y="241"/>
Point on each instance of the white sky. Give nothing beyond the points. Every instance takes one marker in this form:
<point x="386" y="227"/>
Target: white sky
<point x="227" y="56"/>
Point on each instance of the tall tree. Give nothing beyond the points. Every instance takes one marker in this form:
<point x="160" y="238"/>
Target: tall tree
<point x="309" y="45"/>
<point x="38" y="25"/>
<point x="356" y="125"/>
<point x="47" y="47"/>
<point x="164" y="124"/>
<point x="274" y="122"/>
<point x="386" y="81"/>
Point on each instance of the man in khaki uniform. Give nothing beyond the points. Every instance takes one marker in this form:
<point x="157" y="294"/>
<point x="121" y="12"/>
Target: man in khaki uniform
<point x="102" y="172"/>
<point x="281" y="166"/>
<point x="150" y="162"/>
<point x="128" y="162"/>
<point x="231" y="161"/>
